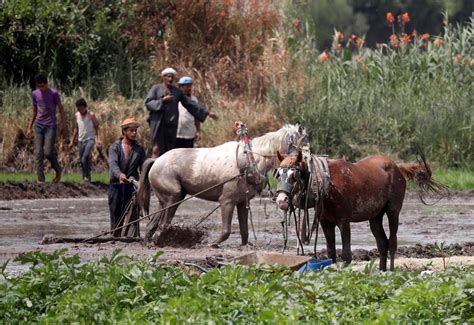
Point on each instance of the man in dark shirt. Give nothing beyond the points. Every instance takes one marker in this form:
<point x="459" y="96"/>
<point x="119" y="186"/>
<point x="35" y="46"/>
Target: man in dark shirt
<point x="162" y="103"/>
<point x="126" y="157"/>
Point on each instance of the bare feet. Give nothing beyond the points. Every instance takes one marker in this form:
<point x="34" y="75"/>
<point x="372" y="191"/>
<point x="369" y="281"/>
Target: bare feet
<point x="86" y="181"/>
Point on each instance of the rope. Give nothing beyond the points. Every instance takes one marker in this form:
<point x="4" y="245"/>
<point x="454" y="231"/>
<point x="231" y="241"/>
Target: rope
<point x="250" y="215"/>
<point x="163" y="209"/>
<point x="284" y="224"/>
<point x="297" y="233"/>
<point x="202" y="220"/>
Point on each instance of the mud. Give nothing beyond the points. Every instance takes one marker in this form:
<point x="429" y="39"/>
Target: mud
<point x="17" y="191"/>
<point x="180" y="236"/>
<point x="26" y="222"/>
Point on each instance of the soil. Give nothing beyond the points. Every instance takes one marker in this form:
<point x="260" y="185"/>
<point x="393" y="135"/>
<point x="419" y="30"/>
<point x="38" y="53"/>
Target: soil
<point x="18" y="191"/>
<point x="67" y="221"/>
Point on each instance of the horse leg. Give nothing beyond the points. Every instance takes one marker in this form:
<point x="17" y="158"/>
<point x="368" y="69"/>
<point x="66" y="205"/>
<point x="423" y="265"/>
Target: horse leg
<point x="227" y="209"/>
<point x="329" y="230"/>
<point x="376" y="226"/>
<point x="242" y="214"/>
<point x="345" y="228"/>
<point x="393" y="214"/>
<point x="162" y="218"/>
<point x="153" y="225"/>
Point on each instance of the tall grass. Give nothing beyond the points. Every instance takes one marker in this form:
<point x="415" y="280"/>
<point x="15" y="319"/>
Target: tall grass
<point x="388" y="100"/>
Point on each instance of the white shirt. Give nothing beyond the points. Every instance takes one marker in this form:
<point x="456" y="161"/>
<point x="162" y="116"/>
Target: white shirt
<point x="186" y="125"/>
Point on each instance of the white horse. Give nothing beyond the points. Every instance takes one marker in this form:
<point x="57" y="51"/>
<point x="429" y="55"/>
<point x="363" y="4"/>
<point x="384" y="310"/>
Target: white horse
<point x="189" y="171"/>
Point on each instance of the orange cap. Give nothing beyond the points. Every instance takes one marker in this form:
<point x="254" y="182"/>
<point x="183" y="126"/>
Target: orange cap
<point x="129" y="122"/>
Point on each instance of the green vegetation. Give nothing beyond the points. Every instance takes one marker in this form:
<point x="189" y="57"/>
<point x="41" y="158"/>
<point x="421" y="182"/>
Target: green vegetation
<point x="256" y="61"/>
<point x="19" y="177"/>
<point x="60" y="289"/>
<point x="388" y="100"/>
<point x="456" y="179"/>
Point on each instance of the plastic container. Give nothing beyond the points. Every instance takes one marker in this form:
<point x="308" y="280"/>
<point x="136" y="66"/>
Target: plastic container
<point x="314" y="264"/>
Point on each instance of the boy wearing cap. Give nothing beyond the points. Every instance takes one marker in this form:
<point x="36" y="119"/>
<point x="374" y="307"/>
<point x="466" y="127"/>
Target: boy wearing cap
<point x="162" y="103"/>
<point x="188" y="127"/>
<point x="126" y="158"/>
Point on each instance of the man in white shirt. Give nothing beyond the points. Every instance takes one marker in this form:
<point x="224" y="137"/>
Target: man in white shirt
<point x="188" y="126"/>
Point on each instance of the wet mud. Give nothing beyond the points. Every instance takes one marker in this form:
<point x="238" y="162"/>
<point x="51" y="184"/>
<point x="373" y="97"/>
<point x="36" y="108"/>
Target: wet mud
<point x="25" y="223"/>
<point x="18" y="191"/>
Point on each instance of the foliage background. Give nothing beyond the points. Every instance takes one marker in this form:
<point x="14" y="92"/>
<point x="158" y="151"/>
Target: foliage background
<point x="256" y="61"/>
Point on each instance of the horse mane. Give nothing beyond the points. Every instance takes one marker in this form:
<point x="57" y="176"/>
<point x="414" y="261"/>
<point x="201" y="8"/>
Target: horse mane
<point x="288" y="161"/>
<point x="265" y="145"/>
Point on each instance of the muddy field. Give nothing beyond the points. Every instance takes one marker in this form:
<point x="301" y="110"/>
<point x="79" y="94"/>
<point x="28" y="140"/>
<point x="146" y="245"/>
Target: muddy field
<point x="25" y="223"/>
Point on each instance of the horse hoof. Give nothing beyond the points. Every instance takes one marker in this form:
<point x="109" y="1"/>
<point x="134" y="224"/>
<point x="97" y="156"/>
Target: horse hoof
<point x="214" y="246"/>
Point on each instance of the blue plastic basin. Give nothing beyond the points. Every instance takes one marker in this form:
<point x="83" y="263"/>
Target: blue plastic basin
<point x="314" y="264"/>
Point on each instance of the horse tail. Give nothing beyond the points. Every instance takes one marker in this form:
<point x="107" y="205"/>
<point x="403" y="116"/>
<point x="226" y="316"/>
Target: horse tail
<point x="144" y="188"/>
<point x="420" y="173"/>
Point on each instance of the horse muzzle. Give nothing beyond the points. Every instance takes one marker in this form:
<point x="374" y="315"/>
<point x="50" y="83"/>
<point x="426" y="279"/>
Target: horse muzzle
<point x="282" y="201"/>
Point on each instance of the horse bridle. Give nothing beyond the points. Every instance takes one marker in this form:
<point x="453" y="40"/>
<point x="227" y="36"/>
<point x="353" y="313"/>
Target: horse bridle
<point x="291" y="179"/>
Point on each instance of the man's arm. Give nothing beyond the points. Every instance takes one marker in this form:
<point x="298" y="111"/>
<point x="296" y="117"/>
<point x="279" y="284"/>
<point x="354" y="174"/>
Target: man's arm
<point x="197" y="137"/>
<point x="114" y="166"/>
<point x="193" y="108"/>
<point x="154" y="100"/>
<point x="29" y="130"/>
<point x="74" y="136"/>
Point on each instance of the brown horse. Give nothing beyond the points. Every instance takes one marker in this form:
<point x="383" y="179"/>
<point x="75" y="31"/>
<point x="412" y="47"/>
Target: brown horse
<point x="355" y="192"/>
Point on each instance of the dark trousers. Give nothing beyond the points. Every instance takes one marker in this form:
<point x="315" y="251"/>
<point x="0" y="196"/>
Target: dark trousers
<point x="166" y="138"/>
<point x="184" y="143"/>
<point x="85" y="150"/>
<point x="119" y="196"/>
<point x="45" y="138"/>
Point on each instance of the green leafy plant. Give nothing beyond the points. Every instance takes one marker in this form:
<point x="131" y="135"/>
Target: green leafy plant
<point x="444" y="251"/>
<point x="119" y="289"/>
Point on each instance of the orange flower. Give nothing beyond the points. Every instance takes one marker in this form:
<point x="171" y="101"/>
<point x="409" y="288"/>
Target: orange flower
<point x="438" y="41"/>
<point x="425" y="36"/>
<point x="339" y="47"/>
<point x="360" y="41"/>
<point x="405" y="38"/>
<point x="340" y="36"/>
<point x="222" y="13"/>
<point x="414" y="33"/>
<point x="394" y="41"/>
<point x="405" y="18"/>
<point x="389" y="17"/>
<point x="324" y="57"/>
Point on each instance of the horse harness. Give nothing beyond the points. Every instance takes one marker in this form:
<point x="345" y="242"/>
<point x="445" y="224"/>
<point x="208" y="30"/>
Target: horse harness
<point x="312" y="179"/>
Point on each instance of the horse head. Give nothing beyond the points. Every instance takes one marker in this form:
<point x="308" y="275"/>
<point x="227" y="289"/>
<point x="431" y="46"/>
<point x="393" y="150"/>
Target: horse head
<point x="291" y="180"/>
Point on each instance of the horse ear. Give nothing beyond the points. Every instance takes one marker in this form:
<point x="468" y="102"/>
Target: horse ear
<point x="300" y="157"/>
<point x="280" y="157"/>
